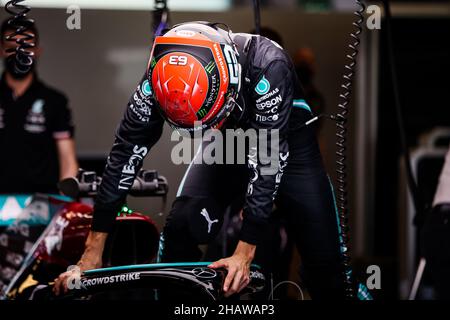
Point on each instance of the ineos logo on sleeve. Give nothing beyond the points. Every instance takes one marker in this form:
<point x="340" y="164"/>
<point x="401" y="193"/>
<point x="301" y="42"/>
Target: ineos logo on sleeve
<point x="129" y="169"/>
<point x="135" y="159"/>
<point x="204" y="273"/>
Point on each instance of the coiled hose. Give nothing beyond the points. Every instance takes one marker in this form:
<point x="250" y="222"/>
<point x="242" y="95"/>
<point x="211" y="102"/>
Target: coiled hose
<point x="24" y="57"/>
<point x="341" y="143"/>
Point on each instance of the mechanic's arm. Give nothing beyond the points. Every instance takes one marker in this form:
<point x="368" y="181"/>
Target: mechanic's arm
<point x="272" y="115"/>
<point x="68" y="165"/>
<point x="139" y="130"/>
<point x="63" y="133"/>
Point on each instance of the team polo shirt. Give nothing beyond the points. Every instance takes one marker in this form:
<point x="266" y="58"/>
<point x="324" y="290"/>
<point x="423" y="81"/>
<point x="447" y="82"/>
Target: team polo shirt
<point x="30" y="126"/>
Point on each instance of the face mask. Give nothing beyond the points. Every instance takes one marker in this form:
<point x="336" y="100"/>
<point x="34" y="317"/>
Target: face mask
<point x="10" y="65"/>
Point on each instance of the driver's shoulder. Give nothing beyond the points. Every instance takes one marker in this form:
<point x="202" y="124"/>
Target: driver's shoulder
<point x="267" y="54"/>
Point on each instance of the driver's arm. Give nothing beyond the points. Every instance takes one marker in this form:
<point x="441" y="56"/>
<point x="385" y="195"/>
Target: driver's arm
<point x="269" y="112"/>
<point x="139" y="130"/>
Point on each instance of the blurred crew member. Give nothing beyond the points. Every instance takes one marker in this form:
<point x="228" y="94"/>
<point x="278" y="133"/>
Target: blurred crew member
<point x="36" y="131"/>
<point x="305" y="67"/>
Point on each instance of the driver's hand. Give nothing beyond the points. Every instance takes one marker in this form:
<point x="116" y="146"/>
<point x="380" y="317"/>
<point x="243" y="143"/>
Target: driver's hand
<point x="91" y="259"/>
<point x="85" y="263"/>
<point x="238" y="267"/>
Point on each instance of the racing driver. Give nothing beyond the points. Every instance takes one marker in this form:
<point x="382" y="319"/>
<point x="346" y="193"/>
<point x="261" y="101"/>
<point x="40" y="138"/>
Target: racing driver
<point x="201" y="76"/>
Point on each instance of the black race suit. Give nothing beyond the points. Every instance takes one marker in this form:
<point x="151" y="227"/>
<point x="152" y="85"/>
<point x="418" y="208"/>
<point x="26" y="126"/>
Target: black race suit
<point x="271" y="98"/>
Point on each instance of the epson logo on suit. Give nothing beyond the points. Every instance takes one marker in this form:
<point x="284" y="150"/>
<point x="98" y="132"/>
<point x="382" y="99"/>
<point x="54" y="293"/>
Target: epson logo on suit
<point x="268" y="95"/>
<point x="269" y="103"/>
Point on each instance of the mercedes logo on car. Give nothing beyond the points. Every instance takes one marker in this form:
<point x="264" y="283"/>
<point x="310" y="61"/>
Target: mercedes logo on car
<point x="204" y="273"/>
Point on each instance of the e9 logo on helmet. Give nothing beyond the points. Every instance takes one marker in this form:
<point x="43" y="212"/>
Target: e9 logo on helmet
<point x="178" y="60"/>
